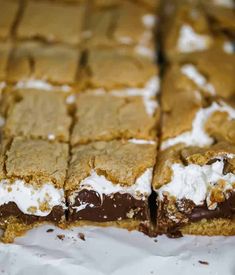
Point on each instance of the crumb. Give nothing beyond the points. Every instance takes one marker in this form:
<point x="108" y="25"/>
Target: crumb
<point x="61" y="237"/>
<point x="155" y="240"/>
<point x="50" y="230"/>
<point x="81" y="236"/>
<point x="203" y="262"/>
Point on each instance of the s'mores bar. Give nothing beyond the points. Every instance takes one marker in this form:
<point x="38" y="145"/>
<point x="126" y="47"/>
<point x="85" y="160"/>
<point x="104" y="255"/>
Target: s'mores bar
<point x="186" y="29"/>
<point x="194" y="175"/>
<point x="109" y="183"/>
<point x="36" y="65"/>
<point x="110" y="116"/>
<point x="36" y="114"/>
<point x="126" y="24"/>
<point x="31" y="184"/>
<point x="116" y="69"/>
<point x="8" y="17"/>
<point x="34" y="23"/>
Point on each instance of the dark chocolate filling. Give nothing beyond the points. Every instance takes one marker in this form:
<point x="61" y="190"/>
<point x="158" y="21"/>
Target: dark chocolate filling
<point x="224" y="209"/>
<point x="11" y="209"/>
<point x="112" y="208"/>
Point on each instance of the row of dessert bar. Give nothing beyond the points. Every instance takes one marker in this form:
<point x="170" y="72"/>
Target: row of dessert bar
<point x="81" y="23"/>
<point x="38" y="52"/>
<point x="195" y="171"/>
<point x="88" y="145"/>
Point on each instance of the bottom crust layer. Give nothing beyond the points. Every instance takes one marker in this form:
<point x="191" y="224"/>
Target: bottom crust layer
<point x="213" y="227"/>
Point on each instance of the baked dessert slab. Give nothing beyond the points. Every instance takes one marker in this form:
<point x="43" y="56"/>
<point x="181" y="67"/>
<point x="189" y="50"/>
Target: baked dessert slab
<point x="109" y="183"/>
<point x="8" y="17"/>
<point x="36" y="114"/>
<point x="106" y="117"/>
<point x="195" y="188"/>
<point x="34" y="25"/>
<point x="32" y="179"/>
<point x="37" y="64"/>
<point x="133" y="71"/>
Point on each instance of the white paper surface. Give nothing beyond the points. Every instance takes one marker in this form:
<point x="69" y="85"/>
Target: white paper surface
<point x="115" y="251"/>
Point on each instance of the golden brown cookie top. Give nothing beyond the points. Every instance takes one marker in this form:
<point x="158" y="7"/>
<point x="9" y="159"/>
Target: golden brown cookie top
<point x="9" y="10"/>
<point x="121" y="162"/>
<point x="37" y="114"/>
<point x="132" y="70"/>
<point x="34" y="23"/>
<point x="107" y="117"/>
<point x="37" y="161"/>
<point x="56" y="64"/>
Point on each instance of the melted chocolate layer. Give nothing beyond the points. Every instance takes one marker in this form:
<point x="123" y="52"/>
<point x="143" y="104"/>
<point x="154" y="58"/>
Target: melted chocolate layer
<point x="11" y="209"/>
<point x="224" y="209"/>
<point x="111" y="208"/>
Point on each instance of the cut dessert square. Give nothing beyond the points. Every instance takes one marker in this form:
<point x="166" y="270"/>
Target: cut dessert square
<point x="133" y="71"/>
<point x="112" y="26"/>
<point x="196" y="190"/>
<point x="36" y="114"/>
<point x="34" y="23"/>
<point x="8" y="17"/>
<point x="32" y="179"/>
<point x="114" y="117"/>
<point x="188" y="118"/>
<point x="135" y="26"/>
<point x="109" y="183"/>
<point x="186" y="29"/>
<point x="36" y="64"/>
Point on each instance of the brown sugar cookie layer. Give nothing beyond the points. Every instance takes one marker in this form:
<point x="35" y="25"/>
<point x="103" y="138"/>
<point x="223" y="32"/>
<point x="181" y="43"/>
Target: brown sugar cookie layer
<point x="34" y="23"/>
<point x="107" y="117"/>
<point x="34" y="64"/>
<point x="36" y="114"/>
<point x="32" y="180"/>
<point x="132" y="71"/>
<point x="195" y="185"/>
<point x="110" y="181"/>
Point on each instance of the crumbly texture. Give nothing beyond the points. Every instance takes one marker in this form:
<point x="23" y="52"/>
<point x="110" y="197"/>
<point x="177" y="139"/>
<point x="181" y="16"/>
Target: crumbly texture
<point x="37" y="114"/>
<point x="107" y="117"/>
<point x="57" y="64"/>
<point x="33" y="23"/>
<point x="8" y="16"/>
<point x="178" y="111"/>
<point x="37" y="161"/>
<point x="214" y="227"/>
<point x="119" y="161"/>
<point x="132" y="71"/>
<point x="5" y="49"/>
